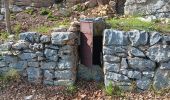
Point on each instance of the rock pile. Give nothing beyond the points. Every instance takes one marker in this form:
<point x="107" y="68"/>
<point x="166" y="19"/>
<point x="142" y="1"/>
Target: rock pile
<point x="51" y="60"/>
<point x="136" y="58"/>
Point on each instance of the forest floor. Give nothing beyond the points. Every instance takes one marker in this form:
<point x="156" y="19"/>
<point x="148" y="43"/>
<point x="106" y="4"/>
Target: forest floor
<point x="82" y="90"/>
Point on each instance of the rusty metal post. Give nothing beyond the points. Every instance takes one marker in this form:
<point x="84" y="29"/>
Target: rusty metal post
<point x="86" y="47"/>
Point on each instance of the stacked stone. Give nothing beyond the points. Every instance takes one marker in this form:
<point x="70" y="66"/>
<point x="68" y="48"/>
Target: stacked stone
<point x="51" y="60"/>
<point x="136" y="58"/>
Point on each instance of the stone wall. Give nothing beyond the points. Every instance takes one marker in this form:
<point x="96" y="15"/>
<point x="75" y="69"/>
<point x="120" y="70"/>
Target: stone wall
<point x="158" y="8"/>
<point x="136" y="59"/>
<point x="51" y="60"/>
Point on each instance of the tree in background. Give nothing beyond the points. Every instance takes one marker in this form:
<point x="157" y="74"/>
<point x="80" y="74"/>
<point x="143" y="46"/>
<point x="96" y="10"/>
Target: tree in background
<point x="7" y="16"/>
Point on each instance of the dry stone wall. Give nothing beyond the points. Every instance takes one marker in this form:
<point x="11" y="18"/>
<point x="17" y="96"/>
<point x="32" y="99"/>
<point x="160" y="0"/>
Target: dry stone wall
<point x="158" y="8"/>
<point x="136" y="58"/>
<point x="51" y="60"/>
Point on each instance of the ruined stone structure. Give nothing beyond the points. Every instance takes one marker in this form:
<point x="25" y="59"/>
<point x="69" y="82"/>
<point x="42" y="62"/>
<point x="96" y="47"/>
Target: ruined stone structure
<point x="136" y="58"/>
<point x="158" y="8"/>
<point x="51" y="60"/>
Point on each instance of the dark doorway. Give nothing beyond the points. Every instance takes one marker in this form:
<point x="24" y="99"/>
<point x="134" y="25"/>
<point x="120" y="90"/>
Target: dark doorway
<point x="120" y="6"/>
<point x="97" y="50"/>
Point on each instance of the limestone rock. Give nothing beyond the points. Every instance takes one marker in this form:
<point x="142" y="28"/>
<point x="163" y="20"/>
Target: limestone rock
<point x="3" y="64"/>
<point x="33" y="64"/>
<point x="117" y="77"/>
<point x="45" y="39"/>
<point x="48" y="75"/>
<point x="66" y="64"/>
<point x="62" y="38"/>
<point x="21" y="45"/>
<point x="114" y="37"/>
<point x="31" y="37"/>
<point x="64" y="82"/>
<point x="1" y="17"/>
<point x="155" y="38"/>
<point x="148" y="74"/>
<point x="161" y="79"/>
<point x="111" y="67"/>
<point x="94" y="73"/>
<point x="28" y="56"/>
<point x="6" y="46"/>
<point x="143" y="83"/>
<point x="48" y="65"/>
<point x="51" y="54"/>
<point x="166" y="40"/>
<point x="110" y="58"/>
<point x="20" y="65"/>
<point x="16" y="9"/>
<point x="36" y="46"/>
<point x="121" y="51"/>
<point x="65" y="74"/>
<point x="34" y="74"/>
<point x="136" y="52"/>
<point x="165" y="65"/>
<point x="159" y="53"/>
<point x="138" y="37"/>
<point x="134" y="75"/>
<point x="141" y="64"/>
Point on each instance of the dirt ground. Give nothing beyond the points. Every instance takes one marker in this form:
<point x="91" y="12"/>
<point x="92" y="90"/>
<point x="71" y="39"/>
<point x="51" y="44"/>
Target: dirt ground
<point x="84" y="91"/>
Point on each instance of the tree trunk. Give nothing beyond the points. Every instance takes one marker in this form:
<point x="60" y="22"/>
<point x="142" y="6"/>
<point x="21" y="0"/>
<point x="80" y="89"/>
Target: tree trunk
<point x="7" y="16"/>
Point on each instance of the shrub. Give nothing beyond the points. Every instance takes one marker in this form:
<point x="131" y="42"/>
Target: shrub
<point x="44" y="11"/>
<point x="12" y="75"/>
<point x="71" y="89"/>
<point x="113" y="90"/>
<point x="29" y="11"/>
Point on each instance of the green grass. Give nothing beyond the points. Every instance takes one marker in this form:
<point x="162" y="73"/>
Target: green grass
<point x="113" y="90"/>
<point x="29" y="11"/>
<point x="130" y="23"/>
<point x="72" y="89"/>
<point x="4" y="36"/>
<point x="11" y="76"/>
<point x="46" y="29"/>
<point x="44" y="11"/>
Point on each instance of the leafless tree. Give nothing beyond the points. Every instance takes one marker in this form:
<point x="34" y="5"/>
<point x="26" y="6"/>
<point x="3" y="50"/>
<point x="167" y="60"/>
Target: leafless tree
<point x="7" y="16"/>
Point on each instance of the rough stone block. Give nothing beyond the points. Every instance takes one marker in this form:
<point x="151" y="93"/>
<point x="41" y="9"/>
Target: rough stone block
<point x="33" y="64"/>
<point x="114" y="37"/>
<point x="161" y="79"/>
<point x="159" y="53"/>
<point x="31" y="37"/>
<point x="34" y="74"/>
<point x="141" y="64"/>
<point x="61" y="38"/>
<point x="111" y="67"/>
<point x="21" y="45"/>
<point x="136" y="52"/>
<point x="143" y="83"/>
<point x="111" y="58"/>
<point x="20" y="65"/>
<point x="65" y="74"/>
<point x="155" y="38"/>
<point x="51" y="54"/>
<point x="165" y="65"/>
<point x="28" y="56"/>
<point x="48" y="75"/>
<point x="45" y="39"/>
<point x="116" y="77"/>
<point x="48" y="65"/>
<point x="64" y="82"/>
<point x="138" y="37"/>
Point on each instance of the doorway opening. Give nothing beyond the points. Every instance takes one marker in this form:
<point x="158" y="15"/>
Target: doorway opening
<point x="97" y="50"/>
<point x="120" y="7"/>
